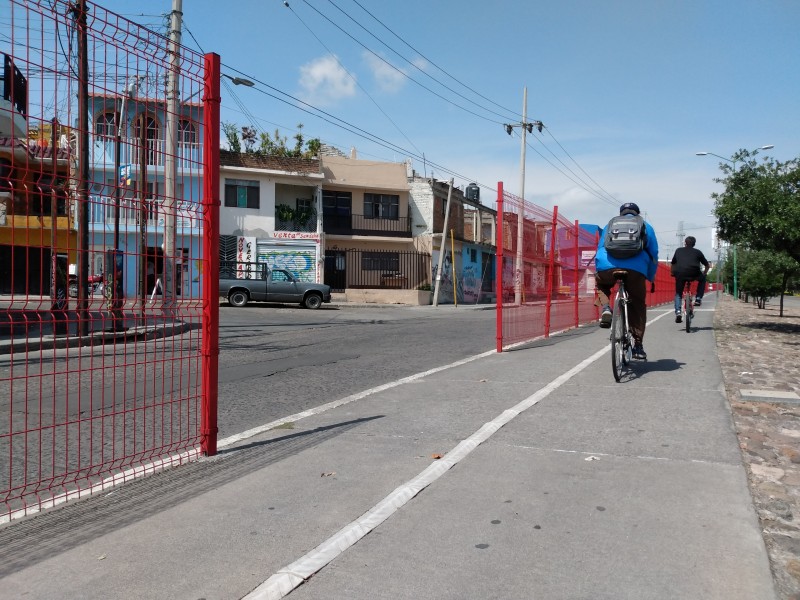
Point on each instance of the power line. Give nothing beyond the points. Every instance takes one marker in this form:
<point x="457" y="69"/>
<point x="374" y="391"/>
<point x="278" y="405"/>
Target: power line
<point x="411" y="63"/>
<point x="379" y="57"/>
<point x="353" y="78"/>
<point x="430" y="61"/>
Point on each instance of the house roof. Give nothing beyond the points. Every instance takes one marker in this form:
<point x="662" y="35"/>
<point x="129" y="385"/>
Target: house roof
<point x="228" y="158"/>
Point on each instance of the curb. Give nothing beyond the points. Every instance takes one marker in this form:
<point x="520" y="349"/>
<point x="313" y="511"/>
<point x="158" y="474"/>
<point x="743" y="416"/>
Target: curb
<point x="98" y="338"/>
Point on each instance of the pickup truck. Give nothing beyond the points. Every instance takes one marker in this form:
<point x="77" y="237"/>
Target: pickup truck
<point x="243" y="282"/>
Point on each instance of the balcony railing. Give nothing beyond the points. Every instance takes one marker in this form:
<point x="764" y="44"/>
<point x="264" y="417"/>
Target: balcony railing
<point x="364" y="225"/>
<point x="102" y="210"/>
<point x="187" y="155"/>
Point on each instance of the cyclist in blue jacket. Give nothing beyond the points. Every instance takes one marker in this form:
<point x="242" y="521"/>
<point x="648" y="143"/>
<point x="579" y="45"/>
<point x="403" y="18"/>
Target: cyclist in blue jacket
<point x="640" y="268"/>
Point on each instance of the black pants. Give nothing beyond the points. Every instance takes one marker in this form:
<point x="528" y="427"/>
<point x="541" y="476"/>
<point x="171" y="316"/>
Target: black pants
<point x="636" y="284"/>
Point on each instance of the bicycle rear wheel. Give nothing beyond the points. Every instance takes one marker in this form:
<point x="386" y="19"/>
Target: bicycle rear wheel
<point x="618" y="340"/>
<point x="687" y="311"/>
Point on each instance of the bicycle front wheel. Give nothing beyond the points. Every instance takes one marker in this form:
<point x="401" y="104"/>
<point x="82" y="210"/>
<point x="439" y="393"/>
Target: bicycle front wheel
<point x="618" y="340"/>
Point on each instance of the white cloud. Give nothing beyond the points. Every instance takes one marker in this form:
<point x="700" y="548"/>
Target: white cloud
<point x="325" y="81"/>
<point x="389" y="79"/>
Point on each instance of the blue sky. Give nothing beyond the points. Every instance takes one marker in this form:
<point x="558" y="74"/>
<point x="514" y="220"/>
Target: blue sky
<point x="628" y="90"/>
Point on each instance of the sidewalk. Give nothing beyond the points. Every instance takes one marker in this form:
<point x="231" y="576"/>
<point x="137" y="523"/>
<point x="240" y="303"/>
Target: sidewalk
<point x="526" y="474"/>
<point x="759" y="353"/>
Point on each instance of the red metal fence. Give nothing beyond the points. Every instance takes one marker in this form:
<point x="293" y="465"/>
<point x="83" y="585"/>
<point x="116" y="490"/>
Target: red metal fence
<point x="107" y="336"/>
<point x="545" y="272"/>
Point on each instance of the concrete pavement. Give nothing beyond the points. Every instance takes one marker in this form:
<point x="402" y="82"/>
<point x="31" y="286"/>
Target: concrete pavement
<point x="525" y="474"/>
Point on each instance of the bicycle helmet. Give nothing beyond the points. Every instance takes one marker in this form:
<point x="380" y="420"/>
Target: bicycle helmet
<point x="629" y="208"/>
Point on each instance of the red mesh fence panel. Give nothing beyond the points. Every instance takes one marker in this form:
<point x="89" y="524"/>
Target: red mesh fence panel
<point x="101" y="251"/>
<point x="547" y="279"/>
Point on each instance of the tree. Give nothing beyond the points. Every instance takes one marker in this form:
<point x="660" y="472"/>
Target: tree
<point x="764" y="274"/>
<point x="760" y="207"/>
<point x="760" y="210"/>
<point x="232" y="135"/>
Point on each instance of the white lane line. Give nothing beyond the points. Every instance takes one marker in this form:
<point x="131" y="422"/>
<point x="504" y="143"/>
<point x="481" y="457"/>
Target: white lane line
<point x="229" y="441"/>
<point x="288" y="578"/>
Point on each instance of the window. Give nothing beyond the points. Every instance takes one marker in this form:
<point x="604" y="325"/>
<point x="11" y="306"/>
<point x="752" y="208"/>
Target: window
<point x="106" y="124"/>
<point x="242" y="193"/>
<point x="336" y="203"/>
<point x="381" y="206"/>
<point x="187" y="134"/>
<point x="151" y="128"/>
<point x="380" y="261"/>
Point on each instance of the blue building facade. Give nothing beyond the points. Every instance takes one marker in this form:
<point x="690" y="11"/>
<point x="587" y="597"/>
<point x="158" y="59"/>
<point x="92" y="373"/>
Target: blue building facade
<point x="129" y="201"/>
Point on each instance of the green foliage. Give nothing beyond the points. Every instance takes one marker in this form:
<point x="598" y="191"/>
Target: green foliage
<point x="759" y="277"/>
<point x="760" y="206"/>
<point x="764" y="274"/>
<point x="284" y="213"/>
<point x="232" y="135"/>
<point x="270" y="145"/>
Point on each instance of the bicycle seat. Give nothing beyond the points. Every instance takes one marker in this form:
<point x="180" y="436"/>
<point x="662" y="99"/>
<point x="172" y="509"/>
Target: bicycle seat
<point x="619" y="274"/>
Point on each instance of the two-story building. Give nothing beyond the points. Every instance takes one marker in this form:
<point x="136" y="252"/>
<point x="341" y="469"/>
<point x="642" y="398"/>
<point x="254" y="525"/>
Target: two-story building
<point x="128" y="196"/>
<point x="271" y="212"/>
<point x="370" y="254"/>
<point x="470" y="231"/>
<point x="37" y="230"/>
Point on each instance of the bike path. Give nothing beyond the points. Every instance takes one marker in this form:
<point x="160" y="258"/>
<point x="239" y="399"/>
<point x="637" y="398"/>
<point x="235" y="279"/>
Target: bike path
<point x="554" y="482"/>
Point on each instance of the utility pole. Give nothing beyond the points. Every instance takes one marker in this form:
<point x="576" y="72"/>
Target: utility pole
<point x="527" y="127"/>
<point x="82" y="191"/>
<point x="442" y="246"/>
<point x="171" y="147"/>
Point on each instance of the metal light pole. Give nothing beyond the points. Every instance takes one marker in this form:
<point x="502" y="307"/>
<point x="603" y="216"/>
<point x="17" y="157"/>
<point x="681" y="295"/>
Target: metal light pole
<point x="527" y="127"/>
<point x="735" y="267"/>
<point x="115" y="283"/>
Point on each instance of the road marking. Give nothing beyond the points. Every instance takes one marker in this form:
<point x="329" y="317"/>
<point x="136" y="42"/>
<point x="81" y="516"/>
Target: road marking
<point x="231" y="440"/>
<point x="292" y="576"/>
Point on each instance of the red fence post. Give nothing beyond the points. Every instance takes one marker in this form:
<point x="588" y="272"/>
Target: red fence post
<point x="577" y="271"/>
<point x="210" y="361"/>
<point x="499" y="280"/>
<point x="552" y="274"/>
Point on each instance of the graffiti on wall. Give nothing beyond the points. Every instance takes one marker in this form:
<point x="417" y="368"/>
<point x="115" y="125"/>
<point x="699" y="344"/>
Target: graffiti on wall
<point x="300" y="263"/>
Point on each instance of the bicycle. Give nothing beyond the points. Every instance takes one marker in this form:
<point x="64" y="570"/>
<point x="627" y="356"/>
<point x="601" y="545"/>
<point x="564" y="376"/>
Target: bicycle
<point x="621" y="335"/>
<point x="687" y="304"/>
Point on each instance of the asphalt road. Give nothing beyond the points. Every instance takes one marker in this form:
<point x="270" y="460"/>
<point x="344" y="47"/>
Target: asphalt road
<point x="279" y="360"/>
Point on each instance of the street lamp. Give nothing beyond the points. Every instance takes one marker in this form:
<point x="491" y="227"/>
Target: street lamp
<point x="735" y="266"/>
<point x="527" y="127"/>
<point x="239" y="80"/>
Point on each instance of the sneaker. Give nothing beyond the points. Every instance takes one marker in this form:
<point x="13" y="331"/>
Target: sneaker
<point x="678" y="317"/>
<point x="638" y="352"/>
<point x="605" y="318"/>
<point x="698" y="301"/>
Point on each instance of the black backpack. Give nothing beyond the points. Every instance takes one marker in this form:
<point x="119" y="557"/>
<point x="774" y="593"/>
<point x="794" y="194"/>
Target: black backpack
<point x="625" y="236"/>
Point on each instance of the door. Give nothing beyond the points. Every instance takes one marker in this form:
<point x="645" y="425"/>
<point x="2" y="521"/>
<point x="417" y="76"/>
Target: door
<point x="281" y="287"/>
<point x="336" y="270"/>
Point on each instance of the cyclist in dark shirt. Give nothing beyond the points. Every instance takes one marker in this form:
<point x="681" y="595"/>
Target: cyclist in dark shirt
<point x="686" y="267"/>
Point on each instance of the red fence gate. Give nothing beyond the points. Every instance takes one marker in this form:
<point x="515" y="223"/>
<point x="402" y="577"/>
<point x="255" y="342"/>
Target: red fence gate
<point x="109" y="194"/>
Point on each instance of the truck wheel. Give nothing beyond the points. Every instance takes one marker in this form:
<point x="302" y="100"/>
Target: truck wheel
<point x="238" y="298"/>
<point x="73" y="290"/>
<point x="312" y="301"/>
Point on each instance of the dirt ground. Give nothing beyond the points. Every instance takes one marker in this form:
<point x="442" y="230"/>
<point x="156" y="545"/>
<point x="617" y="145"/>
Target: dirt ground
<point x="759" y="351"/>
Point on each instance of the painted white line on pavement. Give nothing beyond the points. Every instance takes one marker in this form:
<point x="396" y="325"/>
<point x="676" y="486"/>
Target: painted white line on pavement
<point x="288" y="578"/>
<point x="229" y="441"/>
